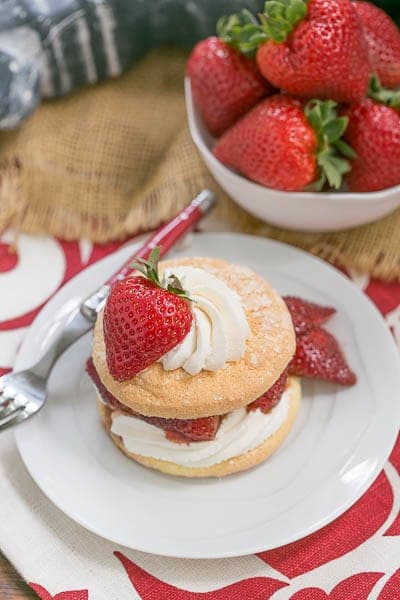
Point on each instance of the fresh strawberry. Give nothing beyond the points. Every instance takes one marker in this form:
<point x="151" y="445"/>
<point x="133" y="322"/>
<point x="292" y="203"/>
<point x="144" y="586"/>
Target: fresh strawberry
<point x="197" y="430"/>
<point x="144" y="318"/>
<point x="383" y="39"/>
<point x="310" y="48"/>
<point x="271" y="398"/>
<point x="319" y="356"/>
<point x="307" y="315"/>
<point x="285" y="145"/>
<point x="374" y="133"/>
<point x="202" y="429"/>
<point x="107" y="397"/>
<point x="225" y="84"/>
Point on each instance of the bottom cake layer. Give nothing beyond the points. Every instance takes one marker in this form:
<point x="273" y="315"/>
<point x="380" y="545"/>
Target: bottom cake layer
<point x="233" y="464"/>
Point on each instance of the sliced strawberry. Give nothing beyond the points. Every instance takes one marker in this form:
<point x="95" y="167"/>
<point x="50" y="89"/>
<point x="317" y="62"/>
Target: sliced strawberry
<point x="197" y="430"/>
<point x="307" y="315"/>
<point x="177" y="438"/>
<point x="272" y="396"/>
<point x="107" y="397"/>
<point x="319" y="356"/>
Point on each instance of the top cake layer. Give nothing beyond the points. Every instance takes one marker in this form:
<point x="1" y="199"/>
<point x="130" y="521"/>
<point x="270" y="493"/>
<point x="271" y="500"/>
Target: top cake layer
<point x="176" y="394"/>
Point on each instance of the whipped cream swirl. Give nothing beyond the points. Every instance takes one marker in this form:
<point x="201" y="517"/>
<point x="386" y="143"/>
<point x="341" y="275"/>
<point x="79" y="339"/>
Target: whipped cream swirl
<point x="219" y="328"/>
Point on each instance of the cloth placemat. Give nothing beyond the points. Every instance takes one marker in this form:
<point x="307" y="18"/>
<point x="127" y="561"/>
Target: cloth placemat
<point x="357" y="557"/>
<point x="116" y="158"/>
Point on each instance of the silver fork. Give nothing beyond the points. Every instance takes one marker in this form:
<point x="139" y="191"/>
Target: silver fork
<point x="23" y="394"/>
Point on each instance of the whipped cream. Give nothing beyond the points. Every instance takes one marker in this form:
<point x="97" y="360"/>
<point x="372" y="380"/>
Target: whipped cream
<point x="219" y="329"/>
<point x="239" y="432"/>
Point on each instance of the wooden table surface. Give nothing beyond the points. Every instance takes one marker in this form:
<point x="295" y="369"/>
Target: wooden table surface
<point x="12" y="586"/>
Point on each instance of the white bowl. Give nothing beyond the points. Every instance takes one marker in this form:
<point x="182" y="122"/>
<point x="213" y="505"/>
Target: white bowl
<point x="306" y="211"/>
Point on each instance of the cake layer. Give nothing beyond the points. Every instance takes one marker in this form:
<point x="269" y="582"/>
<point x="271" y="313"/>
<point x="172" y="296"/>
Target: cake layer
<point x="244" y="459"/>
<point x="176" y="394"/>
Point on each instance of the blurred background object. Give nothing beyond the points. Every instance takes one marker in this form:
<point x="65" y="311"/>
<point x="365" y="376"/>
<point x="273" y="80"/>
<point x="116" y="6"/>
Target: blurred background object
<point x="49" y="48"/>
<point x="112" y="159"/>
<point x="391" y="6"/>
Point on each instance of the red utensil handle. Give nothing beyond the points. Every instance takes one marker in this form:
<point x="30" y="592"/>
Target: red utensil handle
<point x="167" y="235"/>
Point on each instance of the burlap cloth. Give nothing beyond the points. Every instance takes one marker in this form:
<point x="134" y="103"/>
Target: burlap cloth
<point x="117" y="158"/>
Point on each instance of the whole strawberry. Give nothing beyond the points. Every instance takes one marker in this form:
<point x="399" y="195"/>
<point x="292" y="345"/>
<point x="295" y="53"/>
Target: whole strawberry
<point x="286" y="145"/>
<point x="374" y="133"/>
<point x="144" y="318"/>
<point x="225" y="84"/>
<point x="383" y="39"/>
<point x="309" y="48"/>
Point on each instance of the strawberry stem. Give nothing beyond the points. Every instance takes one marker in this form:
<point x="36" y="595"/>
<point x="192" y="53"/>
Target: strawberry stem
<point x="149" y="268"/>
<point x="242" y="31"/>
<point x="246" y="33"/>
<point x="332" y="152"/>
<point x="383" y="95"/>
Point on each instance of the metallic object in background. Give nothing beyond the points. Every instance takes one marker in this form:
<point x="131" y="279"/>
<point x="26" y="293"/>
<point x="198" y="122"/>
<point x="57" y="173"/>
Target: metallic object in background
<point x="23" y="394"/>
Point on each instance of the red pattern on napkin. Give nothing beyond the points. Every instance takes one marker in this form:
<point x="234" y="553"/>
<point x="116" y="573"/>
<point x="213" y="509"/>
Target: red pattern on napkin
<point x="391" y="591"/>
<point x="8" y="258"/>
<point x="344" y="534"/>
<point x="394" y="529"/>
<point x="356" y="587"/>
<point x="151" y="588"/>
<point x="72" y="595"/>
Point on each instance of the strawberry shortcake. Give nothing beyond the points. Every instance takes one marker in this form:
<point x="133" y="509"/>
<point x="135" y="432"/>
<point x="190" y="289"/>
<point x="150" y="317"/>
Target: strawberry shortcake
<point x="195" y="362"/>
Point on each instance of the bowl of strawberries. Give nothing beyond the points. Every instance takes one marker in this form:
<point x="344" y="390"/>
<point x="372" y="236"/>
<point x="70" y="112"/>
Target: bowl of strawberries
<point x="296" y="112"/>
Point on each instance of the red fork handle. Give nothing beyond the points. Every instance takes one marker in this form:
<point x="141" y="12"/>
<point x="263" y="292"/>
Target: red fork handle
<point x="167" y="235"/>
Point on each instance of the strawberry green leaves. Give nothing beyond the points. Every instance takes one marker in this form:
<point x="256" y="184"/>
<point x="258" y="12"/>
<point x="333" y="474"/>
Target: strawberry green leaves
<point x="246" y="33"/>
<point x="242" y="31"/>
<point x="280" y="17"/>
<point x="383" y="95"/>
<point x="333" y="152"/>
<point x="149" y="268"/>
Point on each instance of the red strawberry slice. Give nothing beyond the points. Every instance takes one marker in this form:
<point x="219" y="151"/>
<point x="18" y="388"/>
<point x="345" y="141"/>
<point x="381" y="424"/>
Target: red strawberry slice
<point x="177" y="430"/>
<point x="271" y="397"/>
<point x="144" y="318"/>
<point x="307" y="315"/>
<point x="319" y="356"/>
<point x="197" y="430"/>
<point x="107" y="397"/>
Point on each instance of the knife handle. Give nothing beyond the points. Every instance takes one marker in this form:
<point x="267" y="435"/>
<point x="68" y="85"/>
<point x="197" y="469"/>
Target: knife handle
<point x="165" y="237"/>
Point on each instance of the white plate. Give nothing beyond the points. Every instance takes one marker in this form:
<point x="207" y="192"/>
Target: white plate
<point x="306" y="211"/>
<point x="340" y="441"/>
